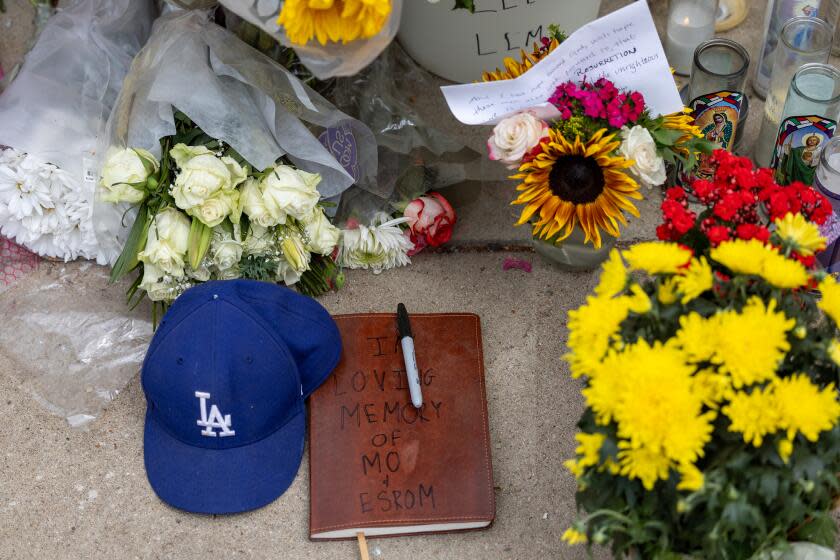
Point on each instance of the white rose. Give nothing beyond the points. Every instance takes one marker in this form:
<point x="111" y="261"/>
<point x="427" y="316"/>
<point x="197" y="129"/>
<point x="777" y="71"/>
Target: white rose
<point x="202" y="274"/>
<point x="289" y="192"/>
<point x="254" y="206"/>
<point x="202" y="175"/>
<point x="152" y="285"/>
<point x="259" y="241"/>
<point x="215" y="209"/>
<point x="124" y="168"/>
<point x="231" y="273"/>
<point x="322" y="236"/>
<point x="514" y="137"/>
<point x="122" y="192"/>
<point x="166" y="242"/>
<point x="637" y="144"/>
<point x="225" y="252"/>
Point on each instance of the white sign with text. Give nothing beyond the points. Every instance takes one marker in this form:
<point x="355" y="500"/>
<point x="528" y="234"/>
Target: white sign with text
<point x="623" y="46"/>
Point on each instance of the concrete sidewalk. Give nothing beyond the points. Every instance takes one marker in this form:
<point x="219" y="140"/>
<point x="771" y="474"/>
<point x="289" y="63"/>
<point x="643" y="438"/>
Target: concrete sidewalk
<point x="84" y="494"/>
<point x="76" y="494"/>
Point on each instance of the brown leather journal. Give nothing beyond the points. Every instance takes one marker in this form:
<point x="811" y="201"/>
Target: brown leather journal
<point x="380" y="466"/>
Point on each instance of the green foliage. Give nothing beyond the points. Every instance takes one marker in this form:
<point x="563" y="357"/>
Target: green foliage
<point x="260" y="268"/>
<point x="465" y="5"/>
<point x="134" y="244"/>
<point x="554" y="32"/>
<point x="323" y="276"/>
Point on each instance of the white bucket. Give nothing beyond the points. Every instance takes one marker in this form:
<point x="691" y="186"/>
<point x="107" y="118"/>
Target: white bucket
<point x="459" y="46"/>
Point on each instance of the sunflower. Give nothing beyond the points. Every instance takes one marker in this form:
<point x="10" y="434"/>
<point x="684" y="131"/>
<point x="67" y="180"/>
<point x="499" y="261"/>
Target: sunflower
<point x="683" y="122"/>
<point x="333" y="20"/>
<point x="571" y="183"/>
<point x="514" y="69"/>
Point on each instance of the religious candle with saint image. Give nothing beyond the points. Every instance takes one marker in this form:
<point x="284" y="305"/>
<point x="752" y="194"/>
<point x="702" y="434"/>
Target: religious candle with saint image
<point x="716" y="91"/>
<point x="808" y="122"/>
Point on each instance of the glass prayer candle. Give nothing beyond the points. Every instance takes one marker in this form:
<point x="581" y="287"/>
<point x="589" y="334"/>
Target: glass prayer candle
<point x="803" y="40"/>
<point x="716" y="93"/>
<point x="828" y="173"/>
<point x="807" y="124"/>
<point x="690" y="22"/>
<point x="778" y="12"/>
<point x="827" y="182"/>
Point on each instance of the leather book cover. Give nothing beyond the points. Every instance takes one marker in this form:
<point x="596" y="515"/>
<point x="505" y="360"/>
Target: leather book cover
<point x="383" y="467"/>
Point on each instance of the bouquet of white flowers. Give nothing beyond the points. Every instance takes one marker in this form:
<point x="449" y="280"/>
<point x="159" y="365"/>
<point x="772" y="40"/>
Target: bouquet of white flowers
<point x="204" y="213"/>
<point x="216" y="155"/>
<point x="53" y="114"/>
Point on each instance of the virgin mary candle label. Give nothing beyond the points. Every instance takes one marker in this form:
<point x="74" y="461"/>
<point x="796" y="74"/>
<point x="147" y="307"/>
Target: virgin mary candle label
<point x="716" y="115"/>
<point x="798" y="147"/>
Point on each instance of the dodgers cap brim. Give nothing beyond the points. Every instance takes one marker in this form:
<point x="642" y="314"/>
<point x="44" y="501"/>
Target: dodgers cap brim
<point x="221" y="481"/>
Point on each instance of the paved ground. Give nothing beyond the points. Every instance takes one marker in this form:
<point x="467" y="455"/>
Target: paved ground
<point x="83" y="494"/>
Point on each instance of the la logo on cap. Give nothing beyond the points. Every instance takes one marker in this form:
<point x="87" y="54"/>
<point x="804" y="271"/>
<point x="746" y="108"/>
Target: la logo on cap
<point x="215" y="421"/>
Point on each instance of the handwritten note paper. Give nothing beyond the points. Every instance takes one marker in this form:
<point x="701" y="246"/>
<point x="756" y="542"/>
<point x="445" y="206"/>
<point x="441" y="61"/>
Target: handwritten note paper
<point x="623" y="46"/>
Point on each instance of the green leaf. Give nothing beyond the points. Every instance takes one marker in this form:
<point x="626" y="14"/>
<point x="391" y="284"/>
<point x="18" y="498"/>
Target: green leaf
<point x="820" y="530"/>
<point x="465" y="5"/>
<point x="199" y="242"/>
<point x="135" y="243"/>
<point x="667" y="136"/>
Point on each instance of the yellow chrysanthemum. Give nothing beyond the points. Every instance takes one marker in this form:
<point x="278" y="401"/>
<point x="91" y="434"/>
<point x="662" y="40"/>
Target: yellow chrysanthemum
<point x="576" y="183"/>
<point x="574" y="467"/>
<point x="639" y="301"/>
<point x="741" y="257"/>
<point x="751" y="343"/>
<point x="514" y="69"/>
<point x="833" y="351"/>
<point x="589" y="449"/>
<point x="785" y="449"/>
<point x="573" y="536"/>
<point x="691" y="478"/>
<point x="333" y="20"/>
<point x="713" y="388"/>
<point x="753" y="414"/>
<point x="696" y="280"/>
<point x="652" y="401"/>
<point x="757" y="259"/>
<point x="783" y="272"/>
<point x="800" y="234"/>
<point x="830" y="300"/>
<point x="697" y="336"/>
<point x="613" y="276"/>
<point x="643" y="464"/>
<point x="805" y="408"/>
<point x="607" y="384"/>
<point x="667" y="291"/>
<point x="591" y="327"/>
<point x="655" y="257"/>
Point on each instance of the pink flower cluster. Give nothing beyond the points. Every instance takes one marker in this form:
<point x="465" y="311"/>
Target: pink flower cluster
<point x="598" y="100"/>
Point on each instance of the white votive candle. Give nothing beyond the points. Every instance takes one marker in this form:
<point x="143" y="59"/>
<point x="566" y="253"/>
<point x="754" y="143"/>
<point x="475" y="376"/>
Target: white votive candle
<point x="690" y="22"/>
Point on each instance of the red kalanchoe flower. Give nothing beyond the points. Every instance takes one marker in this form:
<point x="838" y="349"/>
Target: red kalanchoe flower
<point x="717" y="235"/>
<point x="752" y="231"/>
<point x="740" y="202"/>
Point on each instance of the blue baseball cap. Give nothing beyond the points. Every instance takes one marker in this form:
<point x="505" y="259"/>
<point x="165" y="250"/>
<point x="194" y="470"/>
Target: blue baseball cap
<point x="225" y="378"/>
